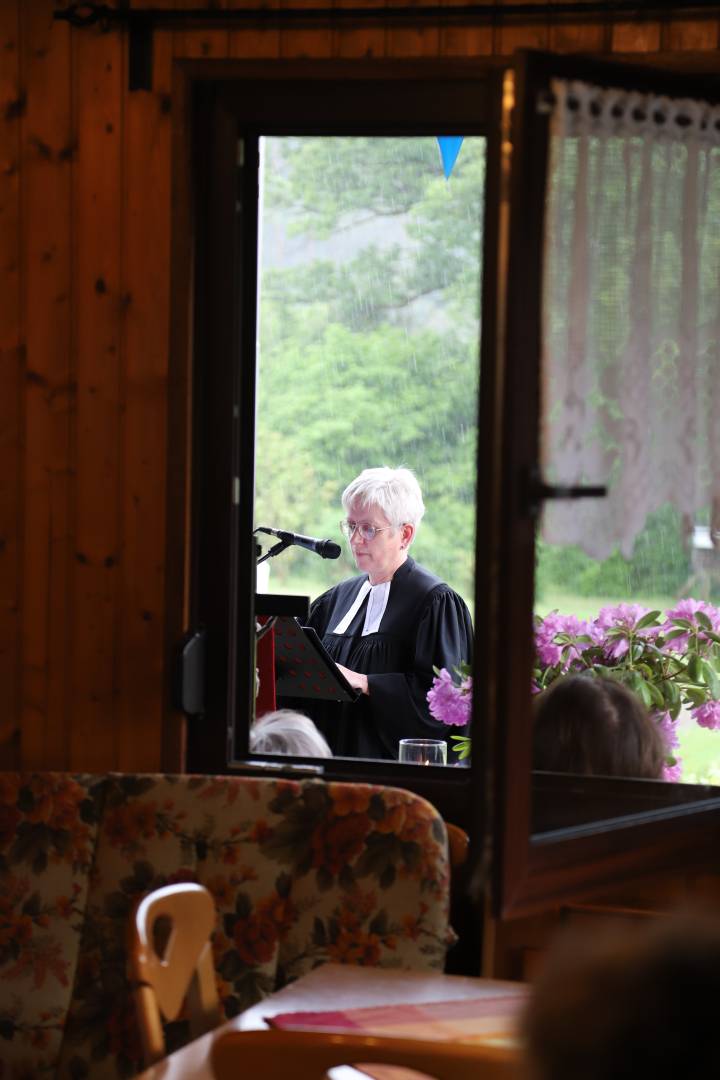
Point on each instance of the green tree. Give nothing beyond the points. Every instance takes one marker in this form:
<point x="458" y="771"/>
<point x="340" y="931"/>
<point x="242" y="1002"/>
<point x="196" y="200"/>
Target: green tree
<point x="371" y="356"/>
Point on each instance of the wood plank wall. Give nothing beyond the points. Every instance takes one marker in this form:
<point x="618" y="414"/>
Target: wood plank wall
<point x="85" y="243"/>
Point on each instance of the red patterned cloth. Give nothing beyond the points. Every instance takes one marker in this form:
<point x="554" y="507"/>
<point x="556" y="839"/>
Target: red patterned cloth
<point x="488" y="1020"/>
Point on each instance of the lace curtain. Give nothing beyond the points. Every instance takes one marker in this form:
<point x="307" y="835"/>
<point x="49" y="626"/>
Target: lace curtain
<point x="631" y="358"/>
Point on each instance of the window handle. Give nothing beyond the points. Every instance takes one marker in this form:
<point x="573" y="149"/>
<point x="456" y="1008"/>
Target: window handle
<point x="537" y="492"/>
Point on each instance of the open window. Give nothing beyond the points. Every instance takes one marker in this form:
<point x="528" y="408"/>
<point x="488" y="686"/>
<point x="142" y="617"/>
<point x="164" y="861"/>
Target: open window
<point x="324" y="226"/>
<point x="607" y="281"/>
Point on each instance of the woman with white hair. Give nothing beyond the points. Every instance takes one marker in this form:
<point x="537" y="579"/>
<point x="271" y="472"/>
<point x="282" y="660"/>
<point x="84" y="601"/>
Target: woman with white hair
<point x="285" y="731"/>
<point x="387" y="628"/>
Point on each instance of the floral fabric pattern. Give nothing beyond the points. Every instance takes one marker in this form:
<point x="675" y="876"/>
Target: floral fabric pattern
<point x="48" y="826"/>
<point x="301" y="872"/>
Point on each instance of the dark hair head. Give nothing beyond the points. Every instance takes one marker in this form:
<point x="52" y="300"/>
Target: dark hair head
<point x="621" y="1003"/>
<point x="595" y="727"/>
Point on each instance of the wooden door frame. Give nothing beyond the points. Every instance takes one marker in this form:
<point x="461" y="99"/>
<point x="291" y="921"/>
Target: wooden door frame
<point x="207" y="88"/>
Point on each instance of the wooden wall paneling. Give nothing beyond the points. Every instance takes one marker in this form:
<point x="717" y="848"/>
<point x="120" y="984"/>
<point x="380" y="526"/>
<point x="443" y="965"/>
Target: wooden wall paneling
<point x="48" y="152"/>
<point x="357" y="42"/>
<point x="513" y="34"/>
<point x="202" y="42"/>
<point x="470" y="40"/>
<point x="639" y="35"/>
<point x="145" y="306"/>
<point x="415" y="39"/>
<point x="314" y="42"/>
<point x="681" y="35"/>
<point x="254" y="42"/>
<point x="11" y="380"/>
<point x="98" y="305"/>
<point x="591" y="35"/>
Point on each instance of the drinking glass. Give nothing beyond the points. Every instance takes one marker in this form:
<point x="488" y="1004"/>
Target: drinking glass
<point x="423" y="751"/>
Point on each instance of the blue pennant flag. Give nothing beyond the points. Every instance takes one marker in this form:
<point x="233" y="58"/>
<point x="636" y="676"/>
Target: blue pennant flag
<point x="449" y="150"/>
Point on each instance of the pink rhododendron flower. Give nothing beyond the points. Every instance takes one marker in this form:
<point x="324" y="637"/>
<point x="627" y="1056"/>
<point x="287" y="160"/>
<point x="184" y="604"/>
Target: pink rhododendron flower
<point x="548" y="650"/>
<point x="708" y="715"/>
<point x="668" y="727"/>
<point x="548" y="653"/>
<point x="575" y="627"/>
<point x="673" y="773"/>
<point x="625" y="615"/>
<point x="450" y="704"/>
<point x="687" y="609"/>
<point x="621" y="617"/>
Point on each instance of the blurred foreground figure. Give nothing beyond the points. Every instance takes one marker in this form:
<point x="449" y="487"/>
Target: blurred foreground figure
<point x="287" y="732"/>
<point x="595" y="727"/>
<point x="630" y="1003"/>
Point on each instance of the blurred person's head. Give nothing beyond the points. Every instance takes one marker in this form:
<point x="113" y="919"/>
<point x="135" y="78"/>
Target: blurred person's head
<point x="595" y="727"/>
<point x="630" y="1002"/>
<point x="285" y="731"/>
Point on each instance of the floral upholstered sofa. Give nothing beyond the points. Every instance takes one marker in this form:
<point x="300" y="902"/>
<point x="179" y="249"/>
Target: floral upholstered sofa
<point x="301" y="872"/>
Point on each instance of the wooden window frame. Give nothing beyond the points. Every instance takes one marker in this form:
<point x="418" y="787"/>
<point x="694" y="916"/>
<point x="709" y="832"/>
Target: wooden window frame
<point x="533" y="868"/>
<point x="493" y="799"/>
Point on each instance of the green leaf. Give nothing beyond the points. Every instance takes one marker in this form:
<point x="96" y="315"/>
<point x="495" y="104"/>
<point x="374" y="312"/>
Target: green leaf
<point x="656" y="695"/>
<point x="711" y="679"/>
<point x="643" y="691"/>
<point x="672" y="694"/>
<point x="462" y="747"/>
<point x="694" y="668"/>
<point x="703" y="620"/>
<point x="651" y="619"/>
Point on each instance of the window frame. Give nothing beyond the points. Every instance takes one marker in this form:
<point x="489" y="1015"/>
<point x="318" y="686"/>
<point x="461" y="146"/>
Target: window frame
<point x="493" y="799"/>
<point x="253" y="99"/>
<point x="534" y="869"/>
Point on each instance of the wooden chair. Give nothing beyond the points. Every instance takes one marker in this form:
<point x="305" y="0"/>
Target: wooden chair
<point x="184" y="971"/>
<point x="307" y="1055"/>
<point x="458" y="844"/>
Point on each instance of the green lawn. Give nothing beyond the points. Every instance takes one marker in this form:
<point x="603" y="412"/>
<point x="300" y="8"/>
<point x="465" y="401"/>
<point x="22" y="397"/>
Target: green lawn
<point x="587" y="607"/>
<point x="700" y="754"/>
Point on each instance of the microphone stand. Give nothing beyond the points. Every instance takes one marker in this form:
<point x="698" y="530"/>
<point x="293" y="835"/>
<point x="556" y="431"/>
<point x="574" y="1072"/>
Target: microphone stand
<point x="265" y="628"/>
<point x="274" y="550"/>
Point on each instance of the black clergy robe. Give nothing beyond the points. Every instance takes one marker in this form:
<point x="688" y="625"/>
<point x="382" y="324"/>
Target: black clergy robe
<point x="425" y="624"/>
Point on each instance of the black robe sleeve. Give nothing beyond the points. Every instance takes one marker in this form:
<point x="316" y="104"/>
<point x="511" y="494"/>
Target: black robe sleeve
<point x="398" y="701"/>
<point x="426" y="625"/>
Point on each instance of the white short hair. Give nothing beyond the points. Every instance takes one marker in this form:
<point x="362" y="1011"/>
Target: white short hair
<point x="287" y="732"/>
<point x="395" y="491"/>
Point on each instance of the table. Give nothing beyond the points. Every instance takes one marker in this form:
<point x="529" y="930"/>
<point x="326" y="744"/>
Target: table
<point x="333" y="986"/>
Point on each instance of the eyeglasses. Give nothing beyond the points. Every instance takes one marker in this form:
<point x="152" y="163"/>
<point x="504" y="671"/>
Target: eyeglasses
<point x="367" y="531"/>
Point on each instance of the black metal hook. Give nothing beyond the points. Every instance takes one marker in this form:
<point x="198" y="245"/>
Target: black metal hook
<point x="82" y="15"/>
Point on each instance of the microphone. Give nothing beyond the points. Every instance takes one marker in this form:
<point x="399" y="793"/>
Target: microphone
<point x="326" y="549"/>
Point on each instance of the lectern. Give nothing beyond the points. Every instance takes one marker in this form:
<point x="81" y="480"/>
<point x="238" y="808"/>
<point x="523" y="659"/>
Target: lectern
<point x="292" y="662"/>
